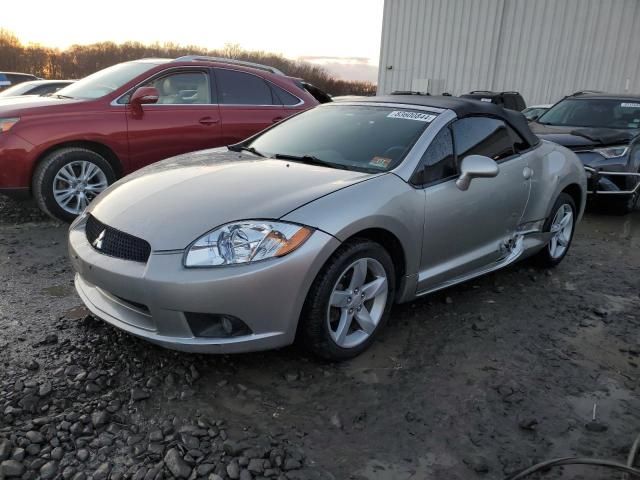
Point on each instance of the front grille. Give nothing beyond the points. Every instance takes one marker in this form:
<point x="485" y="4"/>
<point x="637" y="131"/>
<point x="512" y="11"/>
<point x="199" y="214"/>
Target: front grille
<point x="112" y="242"/>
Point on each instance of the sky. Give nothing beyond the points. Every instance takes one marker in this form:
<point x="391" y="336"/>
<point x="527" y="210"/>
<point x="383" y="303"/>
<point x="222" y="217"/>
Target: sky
<point x="342" y="35"/>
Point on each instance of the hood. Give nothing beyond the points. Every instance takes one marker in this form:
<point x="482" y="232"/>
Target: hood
<point x="171" y="203"/>
<point x="24" y="103"/>
<point x="577" y="138"/>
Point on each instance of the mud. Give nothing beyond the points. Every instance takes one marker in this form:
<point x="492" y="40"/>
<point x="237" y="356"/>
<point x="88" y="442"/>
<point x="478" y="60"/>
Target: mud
<point x="477" y="381"/>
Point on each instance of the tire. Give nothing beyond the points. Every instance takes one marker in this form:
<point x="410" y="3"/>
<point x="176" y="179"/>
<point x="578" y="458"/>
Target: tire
<point x="545" y="258"/>
<point x="316" y="331"/>
<point x="72" y="160"/>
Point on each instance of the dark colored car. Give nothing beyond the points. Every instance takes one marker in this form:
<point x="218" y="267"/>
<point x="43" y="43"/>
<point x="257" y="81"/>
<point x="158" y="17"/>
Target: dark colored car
<point x="604" y="131"/>
<point x="510" y="100"/>
<point x="66" y="148"/>
<point x="34" y="87"/>
<point x="8" y="79"/>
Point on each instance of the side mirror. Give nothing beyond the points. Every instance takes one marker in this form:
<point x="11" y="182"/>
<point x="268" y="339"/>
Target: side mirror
<point x="144" y="96"/>
<point x="475" y="166"/>
<point x="533" y="118"/>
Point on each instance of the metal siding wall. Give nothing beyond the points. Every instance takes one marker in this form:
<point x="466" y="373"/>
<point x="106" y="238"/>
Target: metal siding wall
<point x="543" y="48"/>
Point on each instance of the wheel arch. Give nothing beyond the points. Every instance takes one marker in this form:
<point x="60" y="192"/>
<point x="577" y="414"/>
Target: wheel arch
<point x="575" y="192"/>
<point x="97" y="147"/>
<point x="391" y="243"/>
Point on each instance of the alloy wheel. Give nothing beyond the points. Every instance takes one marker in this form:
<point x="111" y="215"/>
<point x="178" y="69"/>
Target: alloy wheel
<point x="357" y="302"/>
<point x="561" y="230"/>
<point x="76" y="184"/>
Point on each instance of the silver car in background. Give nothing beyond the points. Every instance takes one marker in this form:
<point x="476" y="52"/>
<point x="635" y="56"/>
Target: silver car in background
<point x="314" y="228"/>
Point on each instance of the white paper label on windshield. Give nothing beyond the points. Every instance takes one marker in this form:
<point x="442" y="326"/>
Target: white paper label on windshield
<point x="421" y="117"/>
<point x="485" y="100"/>
<point x="630" y="105"/>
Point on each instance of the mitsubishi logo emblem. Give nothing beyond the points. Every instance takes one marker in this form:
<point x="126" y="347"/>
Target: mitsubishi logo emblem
<point x="97" y="243"/>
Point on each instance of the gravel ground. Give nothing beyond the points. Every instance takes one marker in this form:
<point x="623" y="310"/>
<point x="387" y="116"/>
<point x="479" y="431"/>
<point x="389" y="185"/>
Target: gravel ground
<point x="478" y="381"/>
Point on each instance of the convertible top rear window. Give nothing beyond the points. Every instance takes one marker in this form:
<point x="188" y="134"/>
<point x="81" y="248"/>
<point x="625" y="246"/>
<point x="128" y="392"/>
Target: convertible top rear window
<point x="359" y="137"/>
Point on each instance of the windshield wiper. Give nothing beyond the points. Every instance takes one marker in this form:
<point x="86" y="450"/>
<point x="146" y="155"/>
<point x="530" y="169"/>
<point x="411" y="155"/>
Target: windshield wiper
<point x="62" y="96"/>
<point x="310" y="160"/>
<point x="242" y="148"/>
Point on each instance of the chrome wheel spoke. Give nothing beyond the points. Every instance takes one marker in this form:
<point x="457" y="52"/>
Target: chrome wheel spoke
<point x="343" y="327"/>
<point x="64" y="196"/>
<point x="359" y="274"/>
<point x="374" y="288"/>
<point x="365" y="321"/>
<point x="340" y="298"/>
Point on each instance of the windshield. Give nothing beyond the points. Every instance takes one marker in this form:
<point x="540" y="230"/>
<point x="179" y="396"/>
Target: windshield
<point x="594" y="113"/>
<point x="105" y="81"/>
<point x="17" y="89"/>
<point x="366" y="138"/>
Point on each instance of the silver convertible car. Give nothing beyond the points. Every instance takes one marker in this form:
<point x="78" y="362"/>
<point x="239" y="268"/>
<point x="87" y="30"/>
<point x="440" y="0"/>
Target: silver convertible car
<point x="312" y="229"/>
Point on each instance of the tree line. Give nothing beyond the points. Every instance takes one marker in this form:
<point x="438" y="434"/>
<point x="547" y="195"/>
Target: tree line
<point x="79" y="61"/>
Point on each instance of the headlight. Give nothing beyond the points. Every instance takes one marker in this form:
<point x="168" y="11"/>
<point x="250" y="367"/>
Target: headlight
<point x="245" y="242"/>
<point x="613" y="152"/>
<point x="7" y="123"/>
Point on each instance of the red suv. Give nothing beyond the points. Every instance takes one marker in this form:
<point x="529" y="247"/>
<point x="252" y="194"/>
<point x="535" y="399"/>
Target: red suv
<point x="66" y="148"/>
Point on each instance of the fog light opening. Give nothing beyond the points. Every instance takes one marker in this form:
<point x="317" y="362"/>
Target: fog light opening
<point x="206" y="325"/>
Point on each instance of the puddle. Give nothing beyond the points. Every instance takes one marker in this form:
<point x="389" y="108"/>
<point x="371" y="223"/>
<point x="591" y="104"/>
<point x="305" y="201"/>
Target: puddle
<point x="58" y="291"/>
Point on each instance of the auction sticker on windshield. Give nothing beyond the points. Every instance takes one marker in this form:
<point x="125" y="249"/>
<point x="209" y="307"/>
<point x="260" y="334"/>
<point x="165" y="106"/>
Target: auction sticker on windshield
<point x="421" y="117"/>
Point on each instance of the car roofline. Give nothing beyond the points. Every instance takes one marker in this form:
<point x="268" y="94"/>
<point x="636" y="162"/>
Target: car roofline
<point x="413" y="106"/>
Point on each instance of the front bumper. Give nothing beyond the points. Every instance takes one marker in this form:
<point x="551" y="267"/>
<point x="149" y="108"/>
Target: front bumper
<point x="153" y="300"/>
<point x="600" y="183"/>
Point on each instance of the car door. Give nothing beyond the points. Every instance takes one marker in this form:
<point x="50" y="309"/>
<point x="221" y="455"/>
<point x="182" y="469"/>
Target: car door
<point x="185" y="118"/>
<point x="466" y="231"/>
<point x="247" y="104"/>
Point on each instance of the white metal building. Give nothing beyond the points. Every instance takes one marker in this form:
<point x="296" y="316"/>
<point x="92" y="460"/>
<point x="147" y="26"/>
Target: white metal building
<point x="545" y="49"/>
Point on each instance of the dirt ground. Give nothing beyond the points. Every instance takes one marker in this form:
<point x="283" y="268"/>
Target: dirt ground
<point x="477" y="381"/>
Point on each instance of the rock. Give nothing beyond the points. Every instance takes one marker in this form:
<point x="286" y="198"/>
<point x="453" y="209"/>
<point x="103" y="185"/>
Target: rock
<point x="528" y="424"/>
<point x="245" y="475"/>
<point x="57" y="453"/>
<point x="156" y="436"/>
<point x="336" y="421"/>
<point x="214" y="476"/>
<point x="138" y="394"/>
<point x="291" y="464"/>
<point x="102" y="472"/>
<point x="82" y="455"/>
<point x="45" y="389"/>
<point x="256" y="465"/>
<point x="600" y="311"/>
<point x="49" y="470"/>
<point x="176" y="465"/>
<point x="11" y="468"/>
<point x="205" y="469"/>
<point x="99" y="419"/>
<point x="233" y="470"/>
<point x="34" y="437"/>
<point x="18" y="454"/>
<point x="233" y="449"/>
<point x="50" y="339"/>
<point x="32" y="365"/>
<point x="5" y="449"/>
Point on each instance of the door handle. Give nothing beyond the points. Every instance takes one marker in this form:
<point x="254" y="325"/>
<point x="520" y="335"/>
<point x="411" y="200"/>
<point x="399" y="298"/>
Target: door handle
<point x="527" y="173"/>
<point x="276" y="119"/>
<point x="208" y="121"/>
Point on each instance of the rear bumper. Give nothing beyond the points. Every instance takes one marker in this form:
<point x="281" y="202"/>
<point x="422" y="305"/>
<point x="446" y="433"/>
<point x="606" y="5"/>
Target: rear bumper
<point x="154" y="300"/>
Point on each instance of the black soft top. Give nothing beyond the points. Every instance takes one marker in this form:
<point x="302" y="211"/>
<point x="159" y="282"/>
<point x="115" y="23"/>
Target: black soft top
<point x="463" y="107"/>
